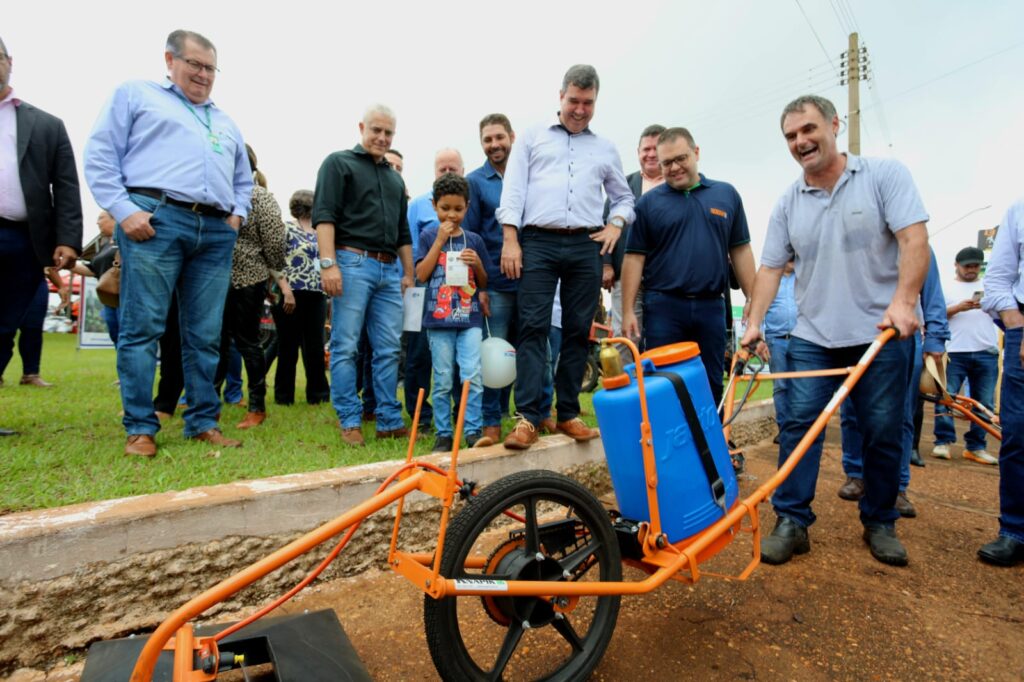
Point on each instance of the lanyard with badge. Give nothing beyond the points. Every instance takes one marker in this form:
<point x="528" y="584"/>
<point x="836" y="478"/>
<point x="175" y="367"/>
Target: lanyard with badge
<point x="211" y="136"/>
<point x="456" y="272"/>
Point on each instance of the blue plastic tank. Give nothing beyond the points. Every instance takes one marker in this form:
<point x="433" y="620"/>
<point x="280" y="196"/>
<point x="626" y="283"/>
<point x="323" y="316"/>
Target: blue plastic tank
<point x="686" y="503"/>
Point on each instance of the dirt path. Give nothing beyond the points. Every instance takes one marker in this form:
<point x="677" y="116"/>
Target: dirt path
<point x="835" y="613"/>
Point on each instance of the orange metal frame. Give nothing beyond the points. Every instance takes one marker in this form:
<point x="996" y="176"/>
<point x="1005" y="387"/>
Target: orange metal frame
<point x="662" y="560"/>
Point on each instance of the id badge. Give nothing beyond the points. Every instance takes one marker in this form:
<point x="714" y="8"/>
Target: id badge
<point x="215" y="144"/>
<point x="456" y="273"/>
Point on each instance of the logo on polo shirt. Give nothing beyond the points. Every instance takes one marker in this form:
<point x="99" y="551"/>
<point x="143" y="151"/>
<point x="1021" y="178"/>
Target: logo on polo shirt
<point x="719" y="212"/>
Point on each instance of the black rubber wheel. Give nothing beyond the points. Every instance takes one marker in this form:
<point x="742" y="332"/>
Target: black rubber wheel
<point x="566" y="535"/>
<point x="591" y="373"/>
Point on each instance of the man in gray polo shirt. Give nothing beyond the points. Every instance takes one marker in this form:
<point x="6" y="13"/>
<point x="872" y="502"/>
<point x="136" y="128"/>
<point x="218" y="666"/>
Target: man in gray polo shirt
<point x="856" y="229"/>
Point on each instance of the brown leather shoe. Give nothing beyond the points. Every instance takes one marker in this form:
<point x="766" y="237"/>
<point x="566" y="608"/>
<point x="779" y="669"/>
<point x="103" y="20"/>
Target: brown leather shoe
<point x="548" y="426"/>
<point x="400" y="432"/>
<point x="353" y="436"/>
<point x="492" y="432"/>
<point x="141" y="444"/>
<point x="34" y="380"/>
<point x="162" y="416"/>
<point x="577" y="430"/>
<point x="522" y="437"/>
<point x="215" y="437"/>
<point x="252" y="419"/>
<point x="853" y="489"/>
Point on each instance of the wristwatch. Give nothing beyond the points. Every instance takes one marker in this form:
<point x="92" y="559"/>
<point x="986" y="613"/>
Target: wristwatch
<point x="326" y="263"/>
<point x="618" y="222"/>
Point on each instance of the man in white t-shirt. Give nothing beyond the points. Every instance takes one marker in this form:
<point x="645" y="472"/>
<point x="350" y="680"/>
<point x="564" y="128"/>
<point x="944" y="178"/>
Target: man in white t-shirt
<point x="973" y="354"/>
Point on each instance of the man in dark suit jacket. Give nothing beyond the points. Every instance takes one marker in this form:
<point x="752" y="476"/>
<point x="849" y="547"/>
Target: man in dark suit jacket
<point x="40" y="206"/>
<point x="648" y="177"/>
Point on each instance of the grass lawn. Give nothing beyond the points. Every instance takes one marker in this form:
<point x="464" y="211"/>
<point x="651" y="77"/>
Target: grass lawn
<point x="71" y="442"/>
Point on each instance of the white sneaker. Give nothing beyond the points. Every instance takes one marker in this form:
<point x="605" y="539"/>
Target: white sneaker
<point x="941" y="451"/>
<point x="980" y="456"/>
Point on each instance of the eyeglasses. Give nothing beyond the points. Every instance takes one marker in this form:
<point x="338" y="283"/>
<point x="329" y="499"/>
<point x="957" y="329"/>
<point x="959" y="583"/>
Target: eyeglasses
<point x="195" y="66"/>
<point x="668" y="163"/>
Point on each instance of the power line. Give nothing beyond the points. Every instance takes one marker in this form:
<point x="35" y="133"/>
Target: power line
<point x="849" y="13"/>
<point x="842" y="24"/>
<point x="820" y="44"/>
<point x="951" y="72"/>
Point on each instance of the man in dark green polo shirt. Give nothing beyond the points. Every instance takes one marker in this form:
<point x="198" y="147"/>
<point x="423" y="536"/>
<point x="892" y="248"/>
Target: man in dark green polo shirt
<point x="359" y="209"/>
<point x="685" y="234"/>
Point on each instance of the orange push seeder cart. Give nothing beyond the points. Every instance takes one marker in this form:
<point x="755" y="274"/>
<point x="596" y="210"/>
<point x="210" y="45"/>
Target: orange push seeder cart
<point x="530" y="563"/>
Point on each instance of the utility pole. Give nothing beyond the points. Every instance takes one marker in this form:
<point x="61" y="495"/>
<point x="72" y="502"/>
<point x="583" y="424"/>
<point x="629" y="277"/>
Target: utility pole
<point x="855" y="69"/>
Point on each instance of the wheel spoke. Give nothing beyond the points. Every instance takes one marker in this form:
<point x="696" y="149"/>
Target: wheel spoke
<point x="567" y="631"/>
<point x="508" y="647"/>
<point x="573" y="561"/>
<point x="532" y="529"/>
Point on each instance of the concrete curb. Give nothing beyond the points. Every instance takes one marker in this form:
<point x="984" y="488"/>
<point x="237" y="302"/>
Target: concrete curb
<point x="72" y="575"/>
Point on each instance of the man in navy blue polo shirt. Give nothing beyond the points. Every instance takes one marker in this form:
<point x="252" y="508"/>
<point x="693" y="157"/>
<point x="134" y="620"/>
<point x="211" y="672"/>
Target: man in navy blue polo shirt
<point x="686" y="232"/>
<point x="499" y="303"/>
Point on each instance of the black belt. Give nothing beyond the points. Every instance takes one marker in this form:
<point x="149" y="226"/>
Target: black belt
<point x="704" y="296"/>
<point x="784" y="337"/>
<point x="562" y="230"/>
<point x="380" y="256"/>
<point x="14" y="224"/>
<point x="194" y="206"/>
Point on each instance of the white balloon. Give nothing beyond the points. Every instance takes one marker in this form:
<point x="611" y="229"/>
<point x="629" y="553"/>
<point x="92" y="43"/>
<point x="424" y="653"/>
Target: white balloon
<point x="498" y="362"/>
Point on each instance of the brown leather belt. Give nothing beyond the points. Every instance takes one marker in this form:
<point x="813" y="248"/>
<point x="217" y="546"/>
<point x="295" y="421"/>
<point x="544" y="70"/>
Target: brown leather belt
<point x="375" y="255"/>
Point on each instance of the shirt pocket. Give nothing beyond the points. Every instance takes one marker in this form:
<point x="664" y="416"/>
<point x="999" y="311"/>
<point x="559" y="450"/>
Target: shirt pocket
<point x="862" y="227"/>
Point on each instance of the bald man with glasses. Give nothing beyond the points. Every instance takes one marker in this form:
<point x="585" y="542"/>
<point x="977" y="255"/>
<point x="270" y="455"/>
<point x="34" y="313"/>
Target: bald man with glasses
<point x="686" y="232"/>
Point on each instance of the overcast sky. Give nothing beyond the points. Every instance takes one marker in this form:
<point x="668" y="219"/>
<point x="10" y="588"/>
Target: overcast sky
<point x="296" y="77"/>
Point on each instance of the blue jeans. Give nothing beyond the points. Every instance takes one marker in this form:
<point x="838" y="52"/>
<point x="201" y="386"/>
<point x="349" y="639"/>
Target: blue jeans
<point x="110" y="318"/>
<point x="448" y="346"/>
<point x="980" y="369"/>
<point x="233" y="379"/>
<point x="1011" y="452"/>
<point x="548" y="392"/>
<point x="190" y="254"/>
<point x="878" y="399"/>
<point x="500" y="324"/>
<point x="778" y="348"/>
<point x="671" y="319"/>
<point x="853" y="442"/>
<point x="371" y="294"/>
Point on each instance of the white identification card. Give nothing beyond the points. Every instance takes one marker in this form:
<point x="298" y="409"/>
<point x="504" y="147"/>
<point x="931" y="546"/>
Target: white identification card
<point x="456" y="273"/>
<point x="413" y="321"/>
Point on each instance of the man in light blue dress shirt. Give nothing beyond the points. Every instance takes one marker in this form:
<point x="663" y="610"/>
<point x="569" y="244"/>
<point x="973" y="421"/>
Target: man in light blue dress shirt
<point x="172" y="169"/>
<point x="1004" y="297"/>
<point x="552" y="215"/>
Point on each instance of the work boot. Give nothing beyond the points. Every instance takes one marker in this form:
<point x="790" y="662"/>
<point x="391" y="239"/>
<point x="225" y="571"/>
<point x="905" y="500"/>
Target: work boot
<point x="252" y="419"/>
<point x="1003" y="552"/>
<point x="522" y="436"/>
<point x="141" y="444"/>
<point x="34" y="380"/>
<point x="400" y="432"/>
<point x="787" y="539"/>
<point x="443" y="444"/>
<point x="904" y="506"/>
<point x="885" y="546"/>
<point x="577" y="430"/>
<point x="853" y="489"/>
<point x="915" y="458"/>
<point x="492" y="432"/>
<point x="475" y="440"/>
<point x="353" y="436"/>
<point x="215" y="437"/>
